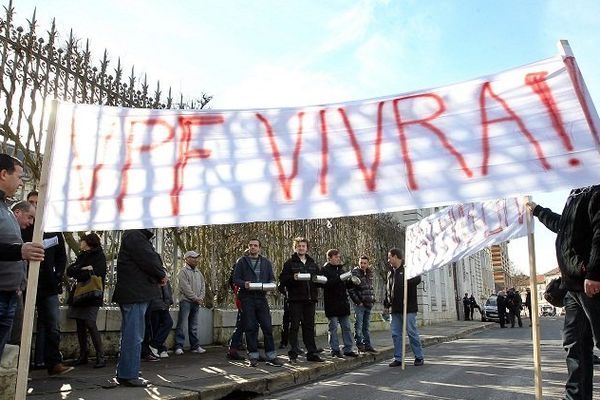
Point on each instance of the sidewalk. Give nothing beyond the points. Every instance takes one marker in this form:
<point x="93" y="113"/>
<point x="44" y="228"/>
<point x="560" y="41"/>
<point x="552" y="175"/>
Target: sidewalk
<point x="212" y="376"/>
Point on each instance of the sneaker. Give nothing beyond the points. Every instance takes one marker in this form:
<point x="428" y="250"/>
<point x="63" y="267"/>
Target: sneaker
<point x="199" y="350"/>
<point x="164" y="354"/>
<point x="179" y="351"/>
<point x="133" y="382"/>
<point x="150" y="357"/>
<point x="336" y="354"/>
<point x="59" y="369"/>
<point x="395" y="363"/>
<point x="154" y="351"/>
<point x="351" y="354"/>
<point x="419" y="362"/>
<point x="234" y="355"/>
<point x="275" y="362"/>
<point x="314" y="358"/>
<point x="254" y="362"/>
<point x="370" y="349"/>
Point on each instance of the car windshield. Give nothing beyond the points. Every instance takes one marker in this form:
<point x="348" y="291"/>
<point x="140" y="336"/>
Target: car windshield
<point x="491" y="302"/>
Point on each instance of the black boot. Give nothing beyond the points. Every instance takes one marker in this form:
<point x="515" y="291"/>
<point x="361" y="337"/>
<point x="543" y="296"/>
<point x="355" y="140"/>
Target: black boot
<point x="100" y="361"/>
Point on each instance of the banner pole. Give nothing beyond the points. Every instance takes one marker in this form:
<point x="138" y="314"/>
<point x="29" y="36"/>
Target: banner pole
<point x="535" y="325"/>
<point x="34" y="266"/>
<point x="404" y="313"/>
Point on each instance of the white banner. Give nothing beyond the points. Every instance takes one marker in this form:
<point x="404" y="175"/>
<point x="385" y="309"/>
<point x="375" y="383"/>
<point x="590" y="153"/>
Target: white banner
<point x="461" y="230"/>
<point x="520" y="131"/>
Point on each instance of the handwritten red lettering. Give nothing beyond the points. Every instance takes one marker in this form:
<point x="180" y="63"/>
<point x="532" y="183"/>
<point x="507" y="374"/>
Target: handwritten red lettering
<point x="284" y="181"/>
<point x="486" y="90"/>
<point x="324" y="153"/>
<point x="369" y="176"/>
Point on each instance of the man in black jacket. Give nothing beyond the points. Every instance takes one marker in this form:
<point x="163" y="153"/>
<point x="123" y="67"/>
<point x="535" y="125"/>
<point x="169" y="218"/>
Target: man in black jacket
<point x="501" y="305"/>
<point x="394" y="299"/>
<point x="140" y="273"/>
<point x="578" y="254"/>
<point x="255" y="269"/>
<point x="363" y="297"/>
<point x="302" y="299"/>
<point x="337" y="306"/>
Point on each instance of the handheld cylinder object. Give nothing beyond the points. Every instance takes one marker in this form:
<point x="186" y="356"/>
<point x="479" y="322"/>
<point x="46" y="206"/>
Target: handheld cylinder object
<point x="356" y="280"/>
<point x="346" y="275"/>
<point x="320" y="279"/>
<point x="300" y="276"/>
<point x="267" y="287"/>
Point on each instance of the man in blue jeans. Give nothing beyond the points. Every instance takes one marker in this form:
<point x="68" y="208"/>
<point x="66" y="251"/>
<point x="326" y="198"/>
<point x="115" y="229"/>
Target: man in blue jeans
<point x="191" y="295"/>
<point x="578" y="254"/>
<point x="363" y="297"/>
<point x="140" y="273"/>
<point x="337" y="306"/>
<point x="394" y="299"/>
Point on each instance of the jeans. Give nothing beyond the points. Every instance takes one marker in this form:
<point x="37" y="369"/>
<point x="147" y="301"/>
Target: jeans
<point x="188" y="315"/>
<point x="344" y="322"/>
<point x="161" y="324"/>
<point x="236" y="338"/>
<point x="256" y="313"/>
<point x="413" y="335"/>
<point x="581" y="332"/>
<point x="48" y="314"/>
<point x="8" y="306"/>
<point x="132" y="335"/>
<point x="362" y="316"/>
<point x="302" y="312"/>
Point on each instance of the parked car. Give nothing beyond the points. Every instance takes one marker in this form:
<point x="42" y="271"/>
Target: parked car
<point x="547" y="310"/>
<point x="490" y="310"/>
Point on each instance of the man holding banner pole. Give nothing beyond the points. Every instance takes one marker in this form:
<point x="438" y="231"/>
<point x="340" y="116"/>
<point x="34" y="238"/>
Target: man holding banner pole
<point x="578" y="255"/>
<point x="394" y="299"/>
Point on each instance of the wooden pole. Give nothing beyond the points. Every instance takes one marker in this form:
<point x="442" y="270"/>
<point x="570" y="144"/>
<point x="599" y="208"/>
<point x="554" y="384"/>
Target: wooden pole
<point x="404" y="314"/>
<point x="34" y="266"/>
<point x="535" y="328"/>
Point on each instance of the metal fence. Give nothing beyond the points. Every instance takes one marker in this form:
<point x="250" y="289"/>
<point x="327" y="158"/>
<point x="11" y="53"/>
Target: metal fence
<point x="36" y="67"/>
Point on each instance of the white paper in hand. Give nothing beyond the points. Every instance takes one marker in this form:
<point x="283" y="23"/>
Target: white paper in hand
<point x="53" y="241"/>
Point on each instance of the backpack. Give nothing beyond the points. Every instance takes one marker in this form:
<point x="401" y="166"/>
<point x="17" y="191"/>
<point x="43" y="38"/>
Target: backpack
<point x="555" y="293"/>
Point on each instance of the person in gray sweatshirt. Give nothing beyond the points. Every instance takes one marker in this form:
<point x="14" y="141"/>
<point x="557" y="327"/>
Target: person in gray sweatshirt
<point x="191" y="295"/>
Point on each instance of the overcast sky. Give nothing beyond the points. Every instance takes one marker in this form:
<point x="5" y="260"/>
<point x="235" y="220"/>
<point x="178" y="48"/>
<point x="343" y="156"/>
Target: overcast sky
<point x="288" y="53"/>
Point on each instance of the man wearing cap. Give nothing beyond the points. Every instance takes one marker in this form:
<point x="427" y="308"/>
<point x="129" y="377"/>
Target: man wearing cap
<point x="251" y="273"/>
<point x="191" y="295"/>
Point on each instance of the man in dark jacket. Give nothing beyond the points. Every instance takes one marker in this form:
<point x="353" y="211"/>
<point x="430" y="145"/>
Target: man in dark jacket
<point x="578" y="254"/>
<point x="501" y="304"/>
<point x="513" y="300"/>
<point x="140" y="273"/>
<point x="363" y="297"/>
<point x="394" y="299"/>
<point x="158" y="324"/>
<point x="250" y="274"/>
<point x="302" y="299"/>
<point x="466" y="306"/>
<point x="337" y="306"/>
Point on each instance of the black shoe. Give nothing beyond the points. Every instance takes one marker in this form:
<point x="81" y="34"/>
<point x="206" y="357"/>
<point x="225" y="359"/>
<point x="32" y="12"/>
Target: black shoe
<point x="151" y="358"/>
<point x="300" y="352"/>
<point x="234" y="355"/>
<point x="262" y="358"/>
<point x="314" y="358"/>
<point x="100" y="362"/>
<point x="336" y="354"/>
<point x="419" y="362"/>
<point x="275" y="362"/>
<point x="395" y="363"/>
<point x="351" y="354"/>
<point x="80" y="361"/>
<point x="132" y="382"/>
<point x="254" y="362"/>
<point x="361" y="347"/>
<point x="370" y="349"/>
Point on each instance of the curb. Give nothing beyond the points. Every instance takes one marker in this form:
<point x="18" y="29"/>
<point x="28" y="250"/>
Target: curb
<point x="302" y="375"/>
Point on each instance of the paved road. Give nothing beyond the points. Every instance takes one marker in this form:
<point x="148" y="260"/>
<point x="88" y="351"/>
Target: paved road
<point x="494" y="364"/>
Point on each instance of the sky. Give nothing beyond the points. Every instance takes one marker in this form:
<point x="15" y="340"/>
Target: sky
<point x="268" y="53"/>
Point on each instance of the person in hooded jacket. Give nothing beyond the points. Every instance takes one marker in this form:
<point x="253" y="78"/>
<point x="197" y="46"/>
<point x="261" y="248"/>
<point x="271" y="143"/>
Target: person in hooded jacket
<point x="140" y="273"/>
<point x="91" y="260"/>
<point x="337" y="306"/>
<point x="159" y="323"/>
<point x="363" y="297"/>
<point x="302" y="299"/>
